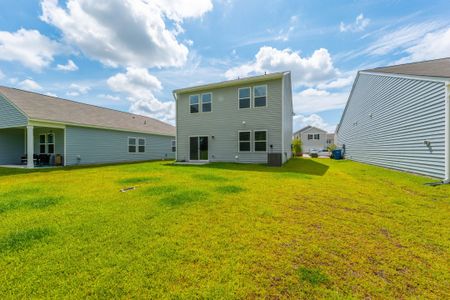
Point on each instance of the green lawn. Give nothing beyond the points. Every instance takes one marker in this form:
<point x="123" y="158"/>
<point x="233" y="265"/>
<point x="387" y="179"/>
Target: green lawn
<point x="314" y="228"/>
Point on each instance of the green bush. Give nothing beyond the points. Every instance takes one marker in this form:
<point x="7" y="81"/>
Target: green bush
<point x="297" y="146"/>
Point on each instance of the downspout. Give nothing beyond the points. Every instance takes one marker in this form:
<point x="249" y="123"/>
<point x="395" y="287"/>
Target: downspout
<point x="176" y="127"/>
<point x="447" y="132"/>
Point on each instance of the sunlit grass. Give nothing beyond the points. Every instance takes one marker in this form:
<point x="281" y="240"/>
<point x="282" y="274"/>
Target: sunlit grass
<point x="314" y="228"/>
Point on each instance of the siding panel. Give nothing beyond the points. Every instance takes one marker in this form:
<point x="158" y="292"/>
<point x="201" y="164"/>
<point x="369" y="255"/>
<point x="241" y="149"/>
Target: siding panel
<point x="287" y="117"/>
<point x="12" y="146"/>
<point x="388" y="119"/>
<point x="9" y="115"/>
<point x="108" y="146"/>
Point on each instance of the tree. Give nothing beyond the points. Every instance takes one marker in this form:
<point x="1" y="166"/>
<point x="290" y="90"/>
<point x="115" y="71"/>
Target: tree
<point x="297" y="146"/>
<point x="331" y="147"/>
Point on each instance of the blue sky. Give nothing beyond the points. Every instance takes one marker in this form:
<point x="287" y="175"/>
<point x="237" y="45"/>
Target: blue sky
<point x="129" y="55"/>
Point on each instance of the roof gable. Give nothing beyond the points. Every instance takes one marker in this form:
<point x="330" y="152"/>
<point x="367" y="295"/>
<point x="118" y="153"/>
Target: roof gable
<point x="46" y="108"/>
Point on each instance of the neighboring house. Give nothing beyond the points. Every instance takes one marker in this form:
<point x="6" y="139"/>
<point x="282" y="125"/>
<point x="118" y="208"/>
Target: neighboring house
<point x="398" y="117"/>
<point x="314" y="138"/>
<point x="236" y="121"/>
<point x="330" y="139"/>
<point x="32" y="124"/>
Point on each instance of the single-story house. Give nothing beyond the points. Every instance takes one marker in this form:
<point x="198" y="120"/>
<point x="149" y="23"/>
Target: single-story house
<point x="314" y="138"/>
<point x="399" y="117"/>
<point x="37" y="129"/>
<point x="247" y="120"/>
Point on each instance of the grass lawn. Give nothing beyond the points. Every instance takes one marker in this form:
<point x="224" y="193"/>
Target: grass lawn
<point x="314" y="228"/>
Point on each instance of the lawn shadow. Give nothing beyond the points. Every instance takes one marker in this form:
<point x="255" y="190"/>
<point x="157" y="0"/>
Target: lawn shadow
<point x="304" y="166"/>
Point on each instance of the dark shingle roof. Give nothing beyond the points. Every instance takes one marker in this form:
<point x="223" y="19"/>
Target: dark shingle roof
<point x="46" y="108"/>
<point x="432" y="68"/>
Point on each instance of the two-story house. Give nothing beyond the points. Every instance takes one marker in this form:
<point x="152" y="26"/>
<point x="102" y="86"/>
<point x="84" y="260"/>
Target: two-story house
<point x="314" y="139"/>
<point x="247" y="120"/>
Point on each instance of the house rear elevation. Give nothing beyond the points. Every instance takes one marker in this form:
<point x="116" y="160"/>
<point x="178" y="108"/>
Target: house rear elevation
<point x="398" y="117"/>
<point x="34" y="127"/>
<point x="314" y="138"/>
<point x="240" y="120"/>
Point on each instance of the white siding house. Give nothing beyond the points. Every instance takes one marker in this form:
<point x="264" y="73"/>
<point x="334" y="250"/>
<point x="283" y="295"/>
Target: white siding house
<point x="242" y="120"/>
<point x="314" y="138"/>
<point x="398" y="117"/>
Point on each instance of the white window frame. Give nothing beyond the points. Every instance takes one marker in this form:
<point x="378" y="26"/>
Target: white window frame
<point x="135" y="145"/>
<point x="46" y="143"/>
<point x="198" y="103"/>
<point x="139" y="145"/>
<point x="201" y="101"/>
<point x="173" y="144"/>
<point x="249" y="99"/>
<point x="255" y="141"/>
<point x="254" y="95"/>
<point x="249" y="141"/>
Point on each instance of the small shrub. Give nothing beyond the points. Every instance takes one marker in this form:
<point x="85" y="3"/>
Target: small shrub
<point x="297" y="146"/>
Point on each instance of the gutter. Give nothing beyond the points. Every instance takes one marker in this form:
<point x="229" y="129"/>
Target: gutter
<point x="447" y="132"/>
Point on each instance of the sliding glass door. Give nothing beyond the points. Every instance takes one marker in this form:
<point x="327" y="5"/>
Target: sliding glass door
<point x="198" y="148"/>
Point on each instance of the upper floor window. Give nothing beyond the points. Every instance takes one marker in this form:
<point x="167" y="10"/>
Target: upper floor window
<point x="193" y="103"/>
<point x="260" y="140"/>
<point x="260" y="94"/>
<point x="310" y="137"/>
<point x="244" y="97"/>
<point x="317" y="136"/>
<point x="244" y="141"/>
<point x="206" y="102"/>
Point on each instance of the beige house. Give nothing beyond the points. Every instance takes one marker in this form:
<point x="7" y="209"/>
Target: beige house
<point x="314" y="138"/>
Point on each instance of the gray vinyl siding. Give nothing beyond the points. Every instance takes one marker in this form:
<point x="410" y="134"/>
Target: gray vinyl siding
<point x="59" y="139"/>
<point x="10" y="116"/>
<point x="308" y="145"/>
<point x="95" y="146"/>
<point x="12" y="145"/>
<point x="287" y="117"/>
<point x="387" y="120"/>
<point x="225" y="120"/>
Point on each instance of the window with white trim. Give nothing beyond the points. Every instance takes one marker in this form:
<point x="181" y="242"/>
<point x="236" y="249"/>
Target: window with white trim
<point x="244" y="141"/>
<point x="194" y="103"/>
<point x="50" y="143"/>
<point x="317" y="136"/>
<point x="42" y="142"/>
<point x="131" y="145"/>
<point x="244" y="97"/>
<point x="207" y="102"/>
<point x="310" y="136"/>
<point x="141" y="145"/>
<point x="174" y="145"/>
<point x="260" y="140"/>
<point x="260" y="96"/>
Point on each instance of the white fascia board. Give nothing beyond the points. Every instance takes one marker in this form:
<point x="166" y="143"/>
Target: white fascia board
<point x="447" y="131"/>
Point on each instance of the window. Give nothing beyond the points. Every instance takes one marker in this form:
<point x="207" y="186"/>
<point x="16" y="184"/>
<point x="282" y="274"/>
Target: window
<point x="317" y="136"/>
<point x="132" y="145"/>
<point x="310" y="137"/>
<point x="50" y="143"/>
<point x="244" y="141"/>
<point x="174" y="145"/>
<point x="141" y="145"/>
<point x="193" y="103"/>
<point x="206" y="102"/>
<point x="260" y="94"/>
<point x="260" y="140"/>
<point x="244" y="97"/>
<point x="42" y="143"/>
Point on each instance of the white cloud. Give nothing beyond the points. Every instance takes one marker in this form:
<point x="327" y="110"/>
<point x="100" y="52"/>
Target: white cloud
<point x="73" y="94"/>
<point x="2" y="75"/>
<point x="109" y="97"/>
<point x="315" y="120"/>
<point x="140" y="86"/>
<point x="360" y="24"/>
<point x="51" y="94"/>
<point x="337" y="83"/>
<point x="126" y="32"/>
<point x="28" y="47"/>
<point x="313" y="100"/>
<point x="79" y="88"/>
<point x="29" y="84"/>
<point x="305" y="70"/>
<point x="70" y="66"/>
<point x="432" y="45"/>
